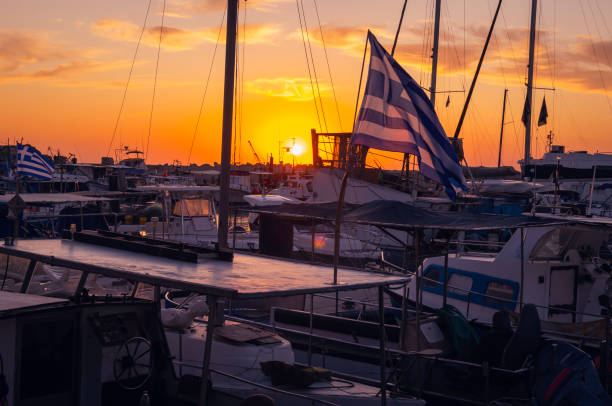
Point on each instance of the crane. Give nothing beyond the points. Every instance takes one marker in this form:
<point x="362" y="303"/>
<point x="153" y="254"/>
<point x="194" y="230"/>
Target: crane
<point x="254" y="153"/>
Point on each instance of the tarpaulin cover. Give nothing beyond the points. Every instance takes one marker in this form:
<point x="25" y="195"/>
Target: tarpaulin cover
<point x="398" y="215"/>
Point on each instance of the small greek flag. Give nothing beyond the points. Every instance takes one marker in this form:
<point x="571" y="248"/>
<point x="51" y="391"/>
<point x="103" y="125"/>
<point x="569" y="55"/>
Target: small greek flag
<point x="31" y="162"/>
<point x="396" y="115"/>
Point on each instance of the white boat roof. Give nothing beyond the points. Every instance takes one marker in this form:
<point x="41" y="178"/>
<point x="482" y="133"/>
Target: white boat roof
<point x="176" y="188"/>
<point x="10" y="301"/>
<point x="268" y="200"/>
<point x="51" y="198"/>
<point x="247" y="276"/>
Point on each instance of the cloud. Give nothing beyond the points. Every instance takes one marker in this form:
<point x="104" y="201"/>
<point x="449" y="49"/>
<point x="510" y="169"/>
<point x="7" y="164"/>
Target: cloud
<point x="295" y="89"/>
<point x="346" y="38"/>
<point x="187" y="8"/>
<point x="177" y="39"/>
<point x="63" y="71"/>
<point x="19" y="48"/>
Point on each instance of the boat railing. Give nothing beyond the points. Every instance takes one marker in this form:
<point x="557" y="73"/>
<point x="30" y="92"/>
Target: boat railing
<point x="324" y="342"/>
<point x="514" y="301"/>
<point x="257" y="384"/>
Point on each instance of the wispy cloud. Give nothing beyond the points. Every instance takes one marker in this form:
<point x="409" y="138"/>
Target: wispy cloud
<point x="582" y="64"/>
<point x="295" y="89"/>
<point x="63" y="71"/>
<point x="187" y="8"/>
<point x="177" y="39"/>
<point x="19" y="48"/>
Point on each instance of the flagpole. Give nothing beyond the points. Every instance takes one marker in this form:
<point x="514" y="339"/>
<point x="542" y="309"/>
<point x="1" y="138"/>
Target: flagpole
<point x="434" y="60"/>
<point x="528" y="101"/>
<point x="226" y="138"/>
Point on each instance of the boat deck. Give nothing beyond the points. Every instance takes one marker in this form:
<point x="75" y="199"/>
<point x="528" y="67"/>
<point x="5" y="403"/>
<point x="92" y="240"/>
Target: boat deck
<point x="247" y="276"/>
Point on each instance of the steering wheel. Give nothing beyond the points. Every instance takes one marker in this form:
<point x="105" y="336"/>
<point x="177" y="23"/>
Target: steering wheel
<point x="133" y="364"/>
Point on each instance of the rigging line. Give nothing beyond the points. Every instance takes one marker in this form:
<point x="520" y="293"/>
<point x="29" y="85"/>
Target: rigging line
<point x="423" y="45"/>
<point x="314" y="97"/>
<point x="127" y="84"/>
<point x="331" y="79"/>
<point x="603" y="82"/>
<point x="161" y="33"/>
<point x="242" y="80"/>
<point x="365" y="49"/>
<point x="314" y="69"/>
<point x="195" y="131"/>
<point x="514" y="58"/>
<point x="603" y="49"/>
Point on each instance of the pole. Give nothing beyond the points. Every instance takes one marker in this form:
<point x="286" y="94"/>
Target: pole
<point x="418" y="288"/>
<point x="473" y="85"/>
<point x="445" y="287"/>
<point x="522" y="267"/>
<point x="501" y="132"/>
<point x="434" y="56"/>
<point x="383" y="358"/>
<point x="589" y="212"/>
<point x="210" y="329"/>
<point x="226" y="137"/>
<point x="528" y="101"/>
<point x="399" y="27"/>
<point x="337" y="227"/>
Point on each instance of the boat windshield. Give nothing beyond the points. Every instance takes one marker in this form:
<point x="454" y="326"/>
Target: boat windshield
<point x="553" y="244"/>
<point x="192" y="207"/>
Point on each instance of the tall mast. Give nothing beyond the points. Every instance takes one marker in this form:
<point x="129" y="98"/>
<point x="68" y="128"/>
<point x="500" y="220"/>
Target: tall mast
<point x="501" y="132"/>
<point x="228" y="112"/>
<point x="434" y="60"/>
<point x="528" y="101"/>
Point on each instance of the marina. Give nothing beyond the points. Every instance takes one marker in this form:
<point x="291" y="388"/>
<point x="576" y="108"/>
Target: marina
<point x="373" y="254"/>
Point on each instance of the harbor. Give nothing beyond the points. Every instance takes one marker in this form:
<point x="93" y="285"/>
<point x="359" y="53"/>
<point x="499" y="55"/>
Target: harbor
<point x="373" y="239"/>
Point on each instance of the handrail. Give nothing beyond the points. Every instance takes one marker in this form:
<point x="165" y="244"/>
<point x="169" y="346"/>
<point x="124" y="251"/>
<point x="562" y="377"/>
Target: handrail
<point x="392" y="351"/>
<point x="259" y="385"/>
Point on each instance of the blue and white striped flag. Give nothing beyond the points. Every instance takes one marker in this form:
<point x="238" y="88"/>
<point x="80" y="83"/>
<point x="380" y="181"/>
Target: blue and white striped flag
<point x="396" y="115"/>
<point x="31" y="162"/>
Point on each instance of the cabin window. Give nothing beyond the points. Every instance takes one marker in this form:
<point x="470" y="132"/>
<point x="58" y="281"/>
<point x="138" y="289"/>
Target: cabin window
<point x="499" y="293"/>
<point x="552" y="245"/>
<point x="47" y="350"/>
<point x="309" y="186"/>
<point x="431" y="277"/>
<point x="460" y="284"/>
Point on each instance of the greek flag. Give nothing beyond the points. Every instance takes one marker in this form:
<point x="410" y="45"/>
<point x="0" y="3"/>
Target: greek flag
<point x="31" y="162"/>
<point x="396" y="115"/>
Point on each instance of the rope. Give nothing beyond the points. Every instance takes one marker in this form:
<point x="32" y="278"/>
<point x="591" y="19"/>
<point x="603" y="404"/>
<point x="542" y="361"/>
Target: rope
<point x="314" y="97"/>
<point x="331" y="79"/>
<point x="127" y="84"/>
<point x="365" y="49"/>
<point x="161" y="33"/>
<point x="601" y="77"/>
<point x="242" y="81"/>
<point x="314" y="69"/>
<point x="195" y="131"/>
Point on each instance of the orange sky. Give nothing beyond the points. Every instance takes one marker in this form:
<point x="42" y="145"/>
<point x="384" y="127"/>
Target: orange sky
<point x="64" y="66"/>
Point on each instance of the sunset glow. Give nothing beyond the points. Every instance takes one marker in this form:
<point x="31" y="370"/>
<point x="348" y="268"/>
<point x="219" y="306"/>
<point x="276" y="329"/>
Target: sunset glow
<point x="64" y="67"/>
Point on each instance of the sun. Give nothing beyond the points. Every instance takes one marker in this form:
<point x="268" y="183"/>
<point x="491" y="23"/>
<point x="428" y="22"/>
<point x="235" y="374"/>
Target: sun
<point x="297" y="150"/>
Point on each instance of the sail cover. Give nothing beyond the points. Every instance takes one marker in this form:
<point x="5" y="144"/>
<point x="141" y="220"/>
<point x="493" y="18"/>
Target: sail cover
<point x="396" y="115"/>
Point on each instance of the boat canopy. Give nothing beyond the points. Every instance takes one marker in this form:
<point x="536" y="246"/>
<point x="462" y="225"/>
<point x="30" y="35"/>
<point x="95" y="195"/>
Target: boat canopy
<point x="44" y="198"/>
<point x="403" y="216"/>
<point x="247" y="276"/>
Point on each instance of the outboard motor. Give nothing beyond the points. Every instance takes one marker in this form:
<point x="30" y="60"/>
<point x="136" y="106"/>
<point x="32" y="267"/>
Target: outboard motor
<point x="563" y="374"/>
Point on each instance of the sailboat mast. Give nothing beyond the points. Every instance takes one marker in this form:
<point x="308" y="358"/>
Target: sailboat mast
<point x="228" y="112"/>
<point x="528" y="101"/>
<point x="434" y="56"/>
<point x="501" y="132"/>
